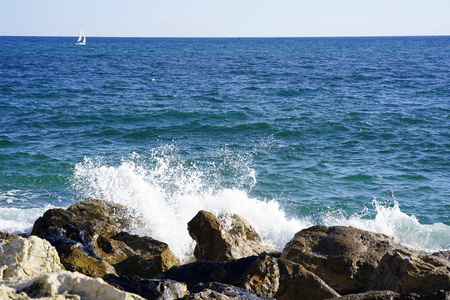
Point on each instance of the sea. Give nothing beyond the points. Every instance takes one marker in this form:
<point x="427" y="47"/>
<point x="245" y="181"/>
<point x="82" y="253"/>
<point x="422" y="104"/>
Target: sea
<point x="286" y="132"/>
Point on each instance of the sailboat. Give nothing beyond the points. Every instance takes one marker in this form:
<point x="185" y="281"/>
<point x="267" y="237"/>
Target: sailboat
<point x="81" y="38"/>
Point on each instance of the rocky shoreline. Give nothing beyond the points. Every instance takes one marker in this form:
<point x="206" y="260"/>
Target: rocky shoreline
<point x="87" y="252"/>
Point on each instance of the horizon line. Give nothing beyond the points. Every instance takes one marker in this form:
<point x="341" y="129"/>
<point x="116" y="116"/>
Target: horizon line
<point x="236" y="37"/>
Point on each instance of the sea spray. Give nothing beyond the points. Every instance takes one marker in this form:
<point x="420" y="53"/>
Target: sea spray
<point x="20" y="220"/>
<point x="390" y="220"/>
<point x="167" y="192"/>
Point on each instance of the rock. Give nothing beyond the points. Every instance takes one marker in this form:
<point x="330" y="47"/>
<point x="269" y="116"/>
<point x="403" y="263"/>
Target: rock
<point x="390" y="295"/>
<point x="7" y="292"/>
<point x="372" y="295"/>
<point x="89" y="239"/>
<point x="152" y="257"/>
<point x="255" y="274"/>
<point x="406" y="271"/>
<point x="100" y="216"/>
<point x="149" y="288"/>
<point x="215" y="290"/>
<point x="69" y="285"/>
<point x="215" y="242"/>
<point x="76" y="260"/>
<point x="443" y="254"/>
<point x="298" y="283"/>
<point x="344" y="257"/>
<point x="24" y="257"/>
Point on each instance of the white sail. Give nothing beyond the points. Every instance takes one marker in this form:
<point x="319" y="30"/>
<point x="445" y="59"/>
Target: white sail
<point x="82" y="38"/>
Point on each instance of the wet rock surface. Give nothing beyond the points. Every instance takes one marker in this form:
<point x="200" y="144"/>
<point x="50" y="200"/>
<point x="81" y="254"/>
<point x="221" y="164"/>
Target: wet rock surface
<point x="89" y="240"/>
<point x="255" y="274"/>
<point x="149" y="288"/>
<point x="215" y="290"/>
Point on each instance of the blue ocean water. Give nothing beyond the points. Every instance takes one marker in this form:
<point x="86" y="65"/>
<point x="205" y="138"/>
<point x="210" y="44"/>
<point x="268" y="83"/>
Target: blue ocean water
<point x="288" y="132"/>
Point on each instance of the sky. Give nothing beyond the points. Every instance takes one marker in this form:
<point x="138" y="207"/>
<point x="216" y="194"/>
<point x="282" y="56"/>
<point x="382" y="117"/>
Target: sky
<point x="224" y="18"/>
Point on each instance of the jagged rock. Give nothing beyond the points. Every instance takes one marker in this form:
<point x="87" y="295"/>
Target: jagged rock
<point x="298" y="283"/>
<point x="255" y="274"/>
<point x="156" y="289"/>
<point x="443" y="254"/>
<point x="102" y="217"/>
<point x="215" y="290"/>
<point x="89" y="239"/>
<point x="5" y="236"/>
<point x="22" y="257"/>
<point x="7" y="292"/>
<point x="153" y="257"/>
<point x="390" y="295"/>
<point x="344" y="257"/>
<point x="215" y="242"/>
<point x="66" y="285"/>
<point x="406" y="271"/>
<point x="77" y="260"/>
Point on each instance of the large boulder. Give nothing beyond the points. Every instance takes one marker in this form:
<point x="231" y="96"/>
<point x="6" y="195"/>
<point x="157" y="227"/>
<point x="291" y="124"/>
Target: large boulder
<point x="406" y="271"/>
<point x="155" y="289"/>
<point x="89" y="238"/>
<point x="152" y="257"/>
<point x="255" y="274"/>
<point x="344" y="257"/>
<point x="23" y="257"/>
<point x="218" y="243"/>
<point x="65" y="285"/>
<point x="298" y="283"/>
<point x="102" y="217"/>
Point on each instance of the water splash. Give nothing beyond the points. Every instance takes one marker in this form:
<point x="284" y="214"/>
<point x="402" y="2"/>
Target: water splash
<point x="390" y="220"/>
<point x="168" y="192"/>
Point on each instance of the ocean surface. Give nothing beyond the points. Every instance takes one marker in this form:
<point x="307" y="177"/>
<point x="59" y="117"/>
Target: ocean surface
<point x="287" y="132"/>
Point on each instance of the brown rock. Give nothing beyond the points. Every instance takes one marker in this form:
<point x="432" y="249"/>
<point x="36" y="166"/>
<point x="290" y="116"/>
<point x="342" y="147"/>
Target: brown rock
<point x="76" y="260"/>
<point x="298" y="283"/>
<point x="216" y="243"/>
<point x="344" y="257"/>
<point x="99" y="216"/>
<point x="88" y="238"/>
<point x="407" y="271"/>
<point x="152" y="257"/>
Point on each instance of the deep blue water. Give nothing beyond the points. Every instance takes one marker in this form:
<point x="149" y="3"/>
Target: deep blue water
<point x="352" y="131"/>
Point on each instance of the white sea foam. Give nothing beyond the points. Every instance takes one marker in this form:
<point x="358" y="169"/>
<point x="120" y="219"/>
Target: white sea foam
<point x="390" y="220"/>
<point x="20" y="220"/>
<point x="168" y="192"/>
<point x="169" y="195"/>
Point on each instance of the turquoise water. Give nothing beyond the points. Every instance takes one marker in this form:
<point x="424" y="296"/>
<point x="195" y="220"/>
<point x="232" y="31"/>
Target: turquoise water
<point x="287" y="132"/>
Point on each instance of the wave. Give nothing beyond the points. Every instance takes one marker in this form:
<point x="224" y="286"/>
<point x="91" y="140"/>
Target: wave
<point x="20" y="220"/>
<point x="390" y="220"/>
<point x="168" y="190"/>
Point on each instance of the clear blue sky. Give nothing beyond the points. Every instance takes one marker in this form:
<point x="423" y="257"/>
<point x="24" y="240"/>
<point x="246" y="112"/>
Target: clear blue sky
<point x="225" y="18"/>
